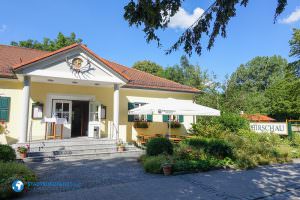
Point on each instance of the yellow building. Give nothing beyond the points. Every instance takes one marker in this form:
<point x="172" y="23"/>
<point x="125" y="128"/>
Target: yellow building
<point x="92" y="94"/>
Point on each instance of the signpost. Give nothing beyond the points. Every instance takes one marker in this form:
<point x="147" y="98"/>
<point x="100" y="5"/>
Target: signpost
<point x="269" y="127"/>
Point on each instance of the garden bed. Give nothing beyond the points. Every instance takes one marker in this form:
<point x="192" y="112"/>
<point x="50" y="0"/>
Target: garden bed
<point x="216" y="146"/>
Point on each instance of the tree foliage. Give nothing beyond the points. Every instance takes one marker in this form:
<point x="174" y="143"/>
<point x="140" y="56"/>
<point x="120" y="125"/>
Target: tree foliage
<point x="295" y="43"/>
<point x="245" y="90"/>
<point x="187" y="74"/>
<point x="283" y="97"/>
<point x="48" y="44"/>
<point x="149" y="67"/>
<point x="155" y="15"/>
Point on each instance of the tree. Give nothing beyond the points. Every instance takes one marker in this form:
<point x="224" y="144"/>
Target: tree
<point x="295" y="43"/>
<point x="149" y="67"/>
<point x="295" y="52"/>
<point x="283" y="97"/>
<point x="187" y="74"/>
<point x="155" y="15"/>
<point x="48" y="44"/>
<point x="258" y="73"/>
<point x="245" y="90"/>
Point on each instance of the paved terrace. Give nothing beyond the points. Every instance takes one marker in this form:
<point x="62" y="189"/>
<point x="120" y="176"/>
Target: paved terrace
<point x="123" y="178"/>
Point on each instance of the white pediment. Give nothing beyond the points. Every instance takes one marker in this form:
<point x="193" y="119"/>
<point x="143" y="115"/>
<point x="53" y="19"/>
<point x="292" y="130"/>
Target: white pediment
<point x="62" y="67"/>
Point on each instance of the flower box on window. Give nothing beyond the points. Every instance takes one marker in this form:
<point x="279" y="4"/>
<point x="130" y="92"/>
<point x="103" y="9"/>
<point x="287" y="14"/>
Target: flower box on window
<point x="140" y="124"/>
<point x="174" y="124"/>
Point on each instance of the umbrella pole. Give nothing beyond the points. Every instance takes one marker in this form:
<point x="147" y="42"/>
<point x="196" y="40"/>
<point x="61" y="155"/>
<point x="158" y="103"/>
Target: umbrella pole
<point x="169" y="132"/>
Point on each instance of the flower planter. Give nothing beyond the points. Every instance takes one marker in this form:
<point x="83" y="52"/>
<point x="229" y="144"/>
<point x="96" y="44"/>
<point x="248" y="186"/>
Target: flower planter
<point x="174" y="125"/>
<point x="121" y="148"/>
<point x="23" y="155"/>
<point x="140" y="125"/>
<point x="167" y="169"/>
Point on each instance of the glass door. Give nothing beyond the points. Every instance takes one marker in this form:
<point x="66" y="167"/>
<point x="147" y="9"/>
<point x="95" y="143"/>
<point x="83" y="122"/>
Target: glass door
<point x="63" y="109"/>
<point x="94" y="119"/>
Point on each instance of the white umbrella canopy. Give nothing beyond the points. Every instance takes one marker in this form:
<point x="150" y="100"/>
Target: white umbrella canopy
<point x="172" y="106"/>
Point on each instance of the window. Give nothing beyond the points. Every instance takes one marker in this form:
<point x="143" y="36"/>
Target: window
<point x="4" y="109"/>
<point x="62" y="109"/>
<point x="178" y="118"/>
<point x="134" y="118"/>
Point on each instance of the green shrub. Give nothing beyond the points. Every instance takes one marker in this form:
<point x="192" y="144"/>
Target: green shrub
<point x="184" y="152"/>
<point x="217" y="127"/>
<point x="212" y="147"/>
<point x="244" y="160"/>
<point x="7" y="153"/>
<point x="295" y="140"/>
<point x="158" y="146"/>
<point x="252" y="149"/>
<point x="232" y="122"/>
<point x="197" y="165"/>
<point x="219" y="148"/>
<point x="153" y="164"/>
<point x="207" y="127"/>
<point x="10" y="171"/>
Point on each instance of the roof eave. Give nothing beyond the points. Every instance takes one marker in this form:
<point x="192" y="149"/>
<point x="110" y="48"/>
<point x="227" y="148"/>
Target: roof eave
<point x="162" y="89"/>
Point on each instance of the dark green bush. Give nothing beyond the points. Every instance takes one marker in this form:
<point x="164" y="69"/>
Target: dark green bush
<point x="158" y="146"/>
<point x="7" y="153"/>
<point x="10" y="171"/>
<point x="219" y="148"/>
<point x="197" y="165"/>
<point x="153" y="164"/>
<point x="212" y="147"/>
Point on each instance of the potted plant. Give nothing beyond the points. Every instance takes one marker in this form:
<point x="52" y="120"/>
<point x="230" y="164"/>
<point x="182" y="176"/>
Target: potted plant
<point x="167" y="168"/>
<point x="23" y="151"/>
<point x="120" y="146"/>
<point x="3" y="132"/>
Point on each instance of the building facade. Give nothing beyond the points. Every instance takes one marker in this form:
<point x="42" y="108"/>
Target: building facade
<point x="91" y="93"/>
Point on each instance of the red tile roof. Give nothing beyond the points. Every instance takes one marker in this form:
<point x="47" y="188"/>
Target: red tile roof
<point x="10" y="55"/>
<point x="14" y="58"/>
<point x="258" y="118"/>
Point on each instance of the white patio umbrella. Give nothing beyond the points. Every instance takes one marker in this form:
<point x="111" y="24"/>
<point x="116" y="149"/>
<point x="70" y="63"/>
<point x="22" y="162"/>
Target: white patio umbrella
<point x="172" y="106"/>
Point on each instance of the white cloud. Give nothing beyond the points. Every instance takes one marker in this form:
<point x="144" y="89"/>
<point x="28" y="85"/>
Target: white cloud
<point x="183" y="20"/>
<point x="293" y="17"/>
<point x="3" y="28"/>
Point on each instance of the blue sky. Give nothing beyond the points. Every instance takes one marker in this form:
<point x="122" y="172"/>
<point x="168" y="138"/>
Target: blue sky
<point x="101" y="26"/>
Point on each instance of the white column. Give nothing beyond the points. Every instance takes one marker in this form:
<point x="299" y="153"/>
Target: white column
<point x="116" y="111"/>
<point x="25" y="109"/>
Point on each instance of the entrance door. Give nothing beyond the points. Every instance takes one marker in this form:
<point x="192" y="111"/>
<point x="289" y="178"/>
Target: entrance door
<point x="80" y="114"/>
<point x="63" y="109"/>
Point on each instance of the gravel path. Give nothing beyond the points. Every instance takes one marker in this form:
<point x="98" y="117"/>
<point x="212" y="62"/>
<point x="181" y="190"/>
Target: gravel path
<point x="123" y="178"/>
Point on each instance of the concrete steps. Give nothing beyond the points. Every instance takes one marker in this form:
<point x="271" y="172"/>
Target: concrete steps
<point x="76" y="148"/>
<point x="81" y="156"/>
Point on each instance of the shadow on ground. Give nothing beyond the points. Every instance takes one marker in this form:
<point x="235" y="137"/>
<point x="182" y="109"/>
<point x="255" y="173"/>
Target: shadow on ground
<point x="123" y="178"/>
